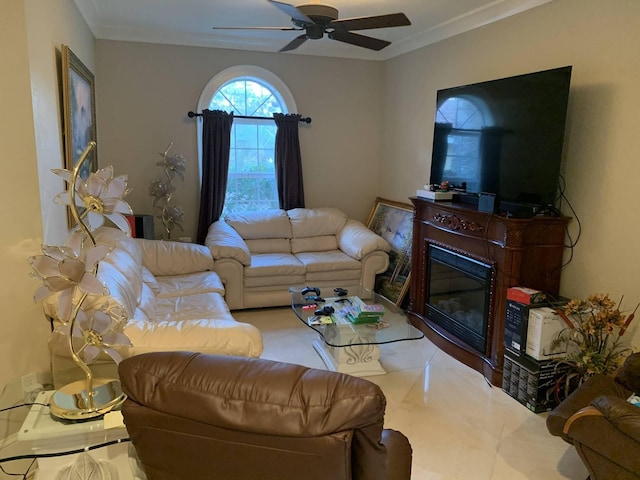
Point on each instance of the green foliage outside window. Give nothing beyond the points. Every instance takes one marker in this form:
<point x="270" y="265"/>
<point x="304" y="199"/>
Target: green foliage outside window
<point x="251" y="184"/>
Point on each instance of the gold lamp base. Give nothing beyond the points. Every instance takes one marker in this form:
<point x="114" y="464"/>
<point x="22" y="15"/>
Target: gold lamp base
<point x="71" y="402"/>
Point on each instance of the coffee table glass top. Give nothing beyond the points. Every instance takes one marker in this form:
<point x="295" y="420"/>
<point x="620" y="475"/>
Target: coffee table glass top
<point x="392" y="326"/>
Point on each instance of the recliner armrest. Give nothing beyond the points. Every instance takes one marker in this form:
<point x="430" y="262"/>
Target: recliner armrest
<point x="607" y="439"/>
<point x="399" y="454"/>
<point x="225" y="242"/>
<point x="358" y="241"/>
<point x="622" y="414"/>
<point x="581" y="397"/>
<point x="628" y="375"/>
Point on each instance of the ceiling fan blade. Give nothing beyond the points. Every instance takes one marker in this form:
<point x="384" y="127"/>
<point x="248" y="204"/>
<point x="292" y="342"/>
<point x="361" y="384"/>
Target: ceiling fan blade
<point x="292" y="11"/>
<point x="359" y="40"/>
<point x="377" y="21"/>
<point x="256" y="28"/>
<point x="293" y="44"/>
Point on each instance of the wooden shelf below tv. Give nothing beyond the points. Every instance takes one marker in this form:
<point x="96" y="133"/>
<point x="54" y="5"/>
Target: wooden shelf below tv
<point x="523" y="252"/>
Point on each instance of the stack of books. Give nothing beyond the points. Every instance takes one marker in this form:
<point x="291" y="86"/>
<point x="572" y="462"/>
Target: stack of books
<point x="365" y="313"/>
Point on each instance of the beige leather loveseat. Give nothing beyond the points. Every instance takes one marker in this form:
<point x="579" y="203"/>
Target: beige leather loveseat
<point x="169" y="298"/>
<point x="260" y="255"/>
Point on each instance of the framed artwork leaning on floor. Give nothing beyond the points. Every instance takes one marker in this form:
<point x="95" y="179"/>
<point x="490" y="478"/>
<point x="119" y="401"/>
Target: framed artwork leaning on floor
<point x="393" y="221"/>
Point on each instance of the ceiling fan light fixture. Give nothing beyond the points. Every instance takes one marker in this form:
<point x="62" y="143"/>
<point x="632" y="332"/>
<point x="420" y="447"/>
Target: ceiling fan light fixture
<point x="316" y="19"/>
<point x="320" y="13"/>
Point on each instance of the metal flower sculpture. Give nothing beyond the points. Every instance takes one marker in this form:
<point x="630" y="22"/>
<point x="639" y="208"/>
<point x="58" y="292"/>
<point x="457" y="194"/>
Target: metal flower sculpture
<point x="162" y="189"/>
<point x="100" y="196"/>
<point x="70" y="272"/>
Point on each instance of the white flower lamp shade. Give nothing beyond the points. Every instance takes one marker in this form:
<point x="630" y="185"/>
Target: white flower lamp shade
<point x="70" y="273"/>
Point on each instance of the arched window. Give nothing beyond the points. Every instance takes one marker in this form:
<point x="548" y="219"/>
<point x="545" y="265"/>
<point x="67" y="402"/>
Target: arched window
<point x="467" y="116"/>
<point x="252" y="92"/>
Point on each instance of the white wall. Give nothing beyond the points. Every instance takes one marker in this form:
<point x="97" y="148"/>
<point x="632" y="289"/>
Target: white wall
<point x="21" y="232"/>
<point x="145" y="91"/>
<point x="31" y="32"/>
<point x="49" y="25"/>
<point x="601" y="165"/>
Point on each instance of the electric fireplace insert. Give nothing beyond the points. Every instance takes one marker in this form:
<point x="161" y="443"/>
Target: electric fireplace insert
<point x="458" y="295"/>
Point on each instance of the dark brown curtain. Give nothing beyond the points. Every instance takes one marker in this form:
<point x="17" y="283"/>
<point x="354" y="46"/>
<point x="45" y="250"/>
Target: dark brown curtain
<point x="440" y="149"/>
<point x="490" y="158"/>
<point x="216" y="141"/>
<point x="288" y="161"/>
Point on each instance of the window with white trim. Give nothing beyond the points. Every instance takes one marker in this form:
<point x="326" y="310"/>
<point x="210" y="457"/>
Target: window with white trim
<point x="467" y="118"/>
<point x="252" y="92"/>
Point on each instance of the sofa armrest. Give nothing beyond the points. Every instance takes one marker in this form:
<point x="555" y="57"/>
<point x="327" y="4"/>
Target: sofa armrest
<point x="604" y="445"/>
<point x="628" y="375"/>
<point x="399" y="455"/>
<point x="358" y="241"/>
<point x="582" y="397"/>
<point x="622" y="414"/>
<point x="224" y="242"/>
<point x="163" y="257"/>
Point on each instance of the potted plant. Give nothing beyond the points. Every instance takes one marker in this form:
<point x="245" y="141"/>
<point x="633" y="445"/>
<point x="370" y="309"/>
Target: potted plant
<point x="592" y="339"/>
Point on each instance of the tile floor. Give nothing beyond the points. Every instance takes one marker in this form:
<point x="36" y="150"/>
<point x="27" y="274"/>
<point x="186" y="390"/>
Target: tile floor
<point x="459" y="426"/>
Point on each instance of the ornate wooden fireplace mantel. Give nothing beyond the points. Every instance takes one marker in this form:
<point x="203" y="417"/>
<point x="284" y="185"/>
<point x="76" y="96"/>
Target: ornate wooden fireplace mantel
<point x="523" y="252"/>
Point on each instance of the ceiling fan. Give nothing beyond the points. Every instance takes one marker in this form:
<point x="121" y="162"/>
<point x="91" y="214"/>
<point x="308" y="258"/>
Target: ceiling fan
<point x="316" y="19"/>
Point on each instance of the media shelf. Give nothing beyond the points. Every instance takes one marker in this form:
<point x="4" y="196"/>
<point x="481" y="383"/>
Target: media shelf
<point x="521" y="252"/>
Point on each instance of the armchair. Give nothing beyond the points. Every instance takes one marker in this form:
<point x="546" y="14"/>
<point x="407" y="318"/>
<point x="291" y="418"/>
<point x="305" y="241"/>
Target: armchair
<point x="604" y="428"/>
<point x="192" y="415"/>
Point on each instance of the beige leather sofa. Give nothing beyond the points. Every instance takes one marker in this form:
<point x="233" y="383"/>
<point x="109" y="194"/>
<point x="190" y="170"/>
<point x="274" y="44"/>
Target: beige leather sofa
<point x="169" y="299"/>
<point x="194" y="416"/>
<point x="258" y="256"/>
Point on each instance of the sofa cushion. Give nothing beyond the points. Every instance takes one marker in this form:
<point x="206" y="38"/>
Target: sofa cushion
<point x="315" y="222"/>
<point x="147" y="303"/>
<point x="120" y="240"/>
<point x="334" y="277"/>
<point x="150" y="279"/>
<point x="123" y="277"/>
<point x="202" y="323"/>
<point x="224" y="242"/>
<point x="267" y="224"/>
<point x="322" y="243"/>
<point x="269" y="245"/>
<point x="269" y="264"/>
<point x="275" y="281"/>
<point x="358" y="241"/>
<point x="191" y="284"/>
<point x="328" y="261"/>
<point x="174" y="258"/>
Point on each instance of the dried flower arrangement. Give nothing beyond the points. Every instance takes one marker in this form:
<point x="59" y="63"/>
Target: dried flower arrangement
<point x="593" y="335"/>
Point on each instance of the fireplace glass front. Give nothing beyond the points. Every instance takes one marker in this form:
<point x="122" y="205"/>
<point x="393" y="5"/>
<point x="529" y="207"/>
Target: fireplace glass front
<point x="458" y="295"/>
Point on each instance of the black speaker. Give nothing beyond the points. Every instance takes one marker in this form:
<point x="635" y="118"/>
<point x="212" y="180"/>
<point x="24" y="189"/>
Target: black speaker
<point x="487" y="202"/>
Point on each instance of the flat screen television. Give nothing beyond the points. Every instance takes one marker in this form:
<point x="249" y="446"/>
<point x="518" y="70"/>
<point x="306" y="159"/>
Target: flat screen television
<point x="503" y="137"/>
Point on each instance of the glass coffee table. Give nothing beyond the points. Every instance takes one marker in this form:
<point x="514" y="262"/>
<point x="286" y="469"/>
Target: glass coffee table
<point x="343" y="345"/>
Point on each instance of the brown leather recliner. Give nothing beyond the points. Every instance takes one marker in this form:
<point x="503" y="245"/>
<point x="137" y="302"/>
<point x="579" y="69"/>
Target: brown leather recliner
<point x="604" y="428"/>
<point x="196" y="416"/>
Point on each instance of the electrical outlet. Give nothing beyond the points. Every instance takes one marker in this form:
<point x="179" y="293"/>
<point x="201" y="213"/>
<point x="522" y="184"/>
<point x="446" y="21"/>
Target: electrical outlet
<point x="31" y="386"/>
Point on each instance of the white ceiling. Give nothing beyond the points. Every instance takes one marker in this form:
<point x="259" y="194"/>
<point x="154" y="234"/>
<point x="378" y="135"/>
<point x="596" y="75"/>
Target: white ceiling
<point x="189" y="22"/>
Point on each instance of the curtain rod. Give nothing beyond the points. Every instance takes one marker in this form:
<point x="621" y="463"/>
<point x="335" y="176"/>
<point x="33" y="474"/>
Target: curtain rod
<point x="302" y="119"/>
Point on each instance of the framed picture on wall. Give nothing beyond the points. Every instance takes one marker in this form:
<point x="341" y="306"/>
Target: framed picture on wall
<point x="393" y="221"/>
<point x="78" y="96"/>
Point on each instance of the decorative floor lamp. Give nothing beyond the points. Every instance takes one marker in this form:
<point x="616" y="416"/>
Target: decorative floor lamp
<point x="69" y="275"/>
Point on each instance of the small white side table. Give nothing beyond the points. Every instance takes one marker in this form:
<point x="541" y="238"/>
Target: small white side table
<point x="104" y="441"/>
